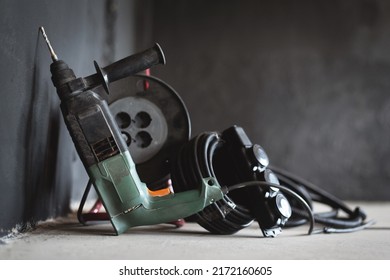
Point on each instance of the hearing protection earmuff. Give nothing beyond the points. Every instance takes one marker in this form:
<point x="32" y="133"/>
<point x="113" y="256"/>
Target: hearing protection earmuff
<point x="230" y="158"/>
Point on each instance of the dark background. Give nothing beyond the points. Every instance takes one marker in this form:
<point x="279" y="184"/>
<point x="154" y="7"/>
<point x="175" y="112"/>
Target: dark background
<point x="308" y="80"/>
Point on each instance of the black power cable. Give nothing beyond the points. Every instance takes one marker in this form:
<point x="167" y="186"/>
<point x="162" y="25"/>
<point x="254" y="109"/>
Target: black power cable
<point x="324" y="196"/>
<point x="333" y="223"/>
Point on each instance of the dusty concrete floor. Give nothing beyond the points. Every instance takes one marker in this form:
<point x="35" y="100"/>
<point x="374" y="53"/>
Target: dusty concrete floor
<point x="66" y="239"/>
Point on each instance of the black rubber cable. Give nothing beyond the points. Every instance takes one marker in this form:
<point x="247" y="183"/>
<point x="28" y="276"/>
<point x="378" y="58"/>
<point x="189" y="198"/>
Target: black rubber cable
<point x="356" y="217"/>
<point x="327" y="197"/>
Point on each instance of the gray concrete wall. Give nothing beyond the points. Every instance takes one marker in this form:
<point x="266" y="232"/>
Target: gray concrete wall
<point x="308" y="80"/>
<point x="38" y="164"/>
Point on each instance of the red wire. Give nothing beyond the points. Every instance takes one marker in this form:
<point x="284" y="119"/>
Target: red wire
<point x="146" y="83"/>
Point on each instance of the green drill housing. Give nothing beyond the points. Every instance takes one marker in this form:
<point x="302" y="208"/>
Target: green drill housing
<point x="129" y="203"/>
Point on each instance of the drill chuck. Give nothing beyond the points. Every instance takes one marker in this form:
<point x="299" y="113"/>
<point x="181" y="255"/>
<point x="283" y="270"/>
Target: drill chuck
<point x="61" y="76"/>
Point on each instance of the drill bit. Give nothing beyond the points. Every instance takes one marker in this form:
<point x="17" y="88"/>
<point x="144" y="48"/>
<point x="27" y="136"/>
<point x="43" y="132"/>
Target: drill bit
<point x="52" y="53"/>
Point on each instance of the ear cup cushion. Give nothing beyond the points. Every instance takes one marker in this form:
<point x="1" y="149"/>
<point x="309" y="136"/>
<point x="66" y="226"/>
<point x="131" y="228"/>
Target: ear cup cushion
<point x="193" y="162"/>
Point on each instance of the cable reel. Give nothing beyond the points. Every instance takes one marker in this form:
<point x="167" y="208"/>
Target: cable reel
<point x="154" y="121"/>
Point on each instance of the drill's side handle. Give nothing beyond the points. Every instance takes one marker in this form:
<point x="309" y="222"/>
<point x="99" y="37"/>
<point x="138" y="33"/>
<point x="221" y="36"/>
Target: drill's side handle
<point x="135" y="63"/>
<point x="125" y="67"/>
